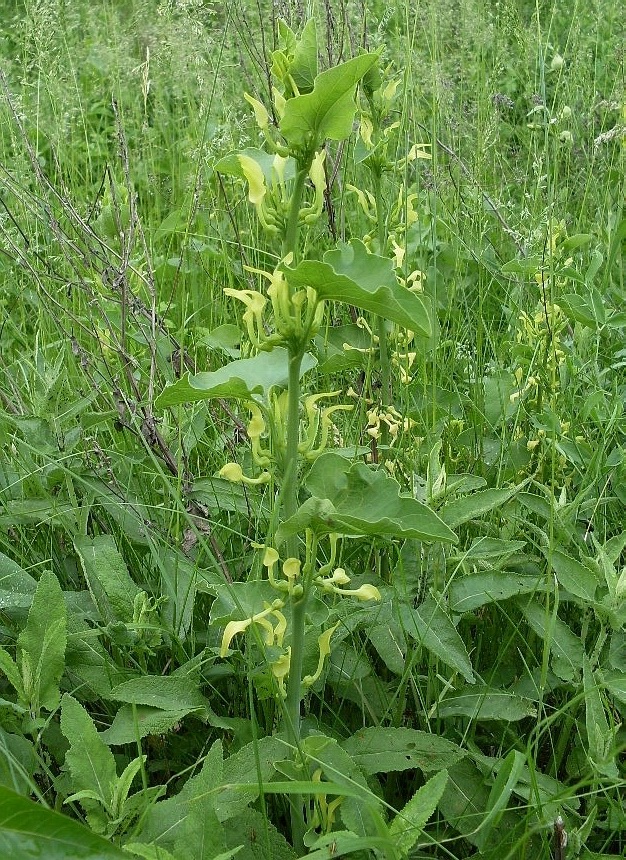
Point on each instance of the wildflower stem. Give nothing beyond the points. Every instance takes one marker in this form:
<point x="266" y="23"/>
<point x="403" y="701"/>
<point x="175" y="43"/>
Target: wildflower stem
<point x="383" y="346"/>
<point x="290" y="242"/>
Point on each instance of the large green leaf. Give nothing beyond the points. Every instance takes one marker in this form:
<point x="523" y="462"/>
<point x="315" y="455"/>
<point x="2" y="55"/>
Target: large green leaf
<point x="382" y="750"/>
<point x="28" y="831"/>
<point x="42" y="645"/>
<point x="132" y="723"/>
<point x="352" y="275"/>
<point x="327" y="111"/>
<point x="433" y="629"/>
<point x="109" y="581"/>
<point x="354" y="499"/>
<point x="243" y="379"/>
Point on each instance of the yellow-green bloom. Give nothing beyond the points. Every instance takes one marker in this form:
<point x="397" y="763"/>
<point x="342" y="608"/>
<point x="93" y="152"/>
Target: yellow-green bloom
<point x="280" y="670"/>
<point x="256" y="181"/>
<point x="234" y="473"/>
<point x="324" y="646"/>
<point x="234" y="627"/>
<point x="253" y="315"/>
<point x="260" y="112"/>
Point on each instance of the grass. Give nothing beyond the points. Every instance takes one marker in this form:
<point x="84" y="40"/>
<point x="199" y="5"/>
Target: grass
<point x="118" y="236"/>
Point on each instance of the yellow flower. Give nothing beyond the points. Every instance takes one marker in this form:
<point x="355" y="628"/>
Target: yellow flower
<point x="234" y="627"/>
<point x="231" y="629"/>
<point x="260" y="113"/>
<point x="365" y="592"/>
<point x="232" y="472"/>
<point x="256" y="181"/>
<point x="324" y="646"/>
<point x="280" y="670"/>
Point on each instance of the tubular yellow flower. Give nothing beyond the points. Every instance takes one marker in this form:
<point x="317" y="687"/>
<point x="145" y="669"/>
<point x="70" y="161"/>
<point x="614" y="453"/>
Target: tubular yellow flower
<point x="234" y="627"/>
<point x="260" y="112"/>
<point x="365" y="592"/>
<point x="232" y="472"/>
<point x="367" y="202"/>
<point x="253" y="315"/>
<point x="256" y="181"/>
<point x="231" y="629"/>
<point x="291" y="568"/>
<point x="271" y="557"/>
<point x="280" y="102"/>
<point x="324" y="646"/>
<point x="280" y="670"/>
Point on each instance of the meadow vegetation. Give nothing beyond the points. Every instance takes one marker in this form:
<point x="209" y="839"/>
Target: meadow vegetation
<point x="312" y="432"/>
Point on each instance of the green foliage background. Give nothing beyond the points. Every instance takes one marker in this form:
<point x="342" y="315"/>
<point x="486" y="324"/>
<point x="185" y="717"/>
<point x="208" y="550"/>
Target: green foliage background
<point x="500" y="661"/>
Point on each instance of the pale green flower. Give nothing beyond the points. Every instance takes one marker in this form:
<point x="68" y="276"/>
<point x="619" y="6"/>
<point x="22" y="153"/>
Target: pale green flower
<point x="324" y="646"/>
<point x="260" y="112"/>
<point x="256" y="181"/>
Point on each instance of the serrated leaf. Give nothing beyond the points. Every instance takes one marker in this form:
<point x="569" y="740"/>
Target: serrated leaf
<point x="354" y="499"/>
<point x="566" y="647"/>
<point x="128" y="726"/>
<point x="475" y="505"/>
<point x="573" y="576"/>
<point x="389" y="640"/>
<point x="168" y="692"/>
<point x="201" y="836"/>
<point x="328" y="111"/>
<point x="10" y="669"/>
<point x="244" y="379"/>
<point x="433" y="629"/>
<point x="29" y="831"/>
<point x="600" y="736"/>
<point x="409" y="823"/>
<point x="485" y="703"/>
<point x="41" y="645"/>
<point x="16" y="586"/>
<point x="107" y="576"/>
<point x="508" y="776"/>
<point x="352" y="275"/>
<point x="382" y="750"/>
<point x="467" y="593"/>
<point x="89" y="760"/>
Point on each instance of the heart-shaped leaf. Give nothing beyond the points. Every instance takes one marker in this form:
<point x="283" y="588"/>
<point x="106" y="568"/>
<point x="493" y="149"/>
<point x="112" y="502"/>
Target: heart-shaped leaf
<point x="327" y="111"/>
<point x="351" y="274"/>
<point x="354" y="499"/>
<point x="244" y="379"/>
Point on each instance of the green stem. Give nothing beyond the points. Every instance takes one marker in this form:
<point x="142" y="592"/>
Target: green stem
<point x="290" y="506"/>
<point x="298" y="606"/>
<point x="381" y="329"/>
<point x="290" y="242"/>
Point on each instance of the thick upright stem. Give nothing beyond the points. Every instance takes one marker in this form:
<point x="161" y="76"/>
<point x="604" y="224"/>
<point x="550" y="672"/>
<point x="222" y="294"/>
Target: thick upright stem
<point x="298" y="606"/>
<point x="290" y="505"/>
<point x="381" y="329"/>
<point x="290" y="242"/>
